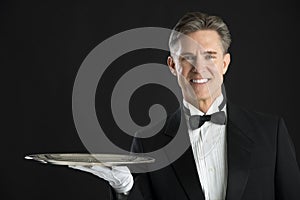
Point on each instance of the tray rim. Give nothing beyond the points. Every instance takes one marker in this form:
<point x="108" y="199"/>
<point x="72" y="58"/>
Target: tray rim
<point x="39" y="157"/>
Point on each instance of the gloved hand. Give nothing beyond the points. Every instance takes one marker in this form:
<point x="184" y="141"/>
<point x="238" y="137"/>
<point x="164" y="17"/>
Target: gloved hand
<point x="119" y="177"/>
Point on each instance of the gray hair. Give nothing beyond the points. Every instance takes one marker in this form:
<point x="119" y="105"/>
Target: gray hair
<point x="194" y="21"/>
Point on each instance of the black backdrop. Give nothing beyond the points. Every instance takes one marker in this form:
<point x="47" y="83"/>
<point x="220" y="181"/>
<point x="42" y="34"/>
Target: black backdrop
<point x="43" y="44"/>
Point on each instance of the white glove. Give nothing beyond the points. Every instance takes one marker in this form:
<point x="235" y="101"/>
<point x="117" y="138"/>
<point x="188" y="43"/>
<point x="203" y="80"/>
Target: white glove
<point x="119" y="177"/>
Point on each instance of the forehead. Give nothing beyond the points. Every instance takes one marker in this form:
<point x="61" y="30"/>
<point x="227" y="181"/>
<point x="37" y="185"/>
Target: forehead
<point x="203" y="40"/>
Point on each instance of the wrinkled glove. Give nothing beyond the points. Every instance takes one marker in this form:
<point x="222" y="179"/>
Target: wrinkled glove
<point x="119" y="177"/>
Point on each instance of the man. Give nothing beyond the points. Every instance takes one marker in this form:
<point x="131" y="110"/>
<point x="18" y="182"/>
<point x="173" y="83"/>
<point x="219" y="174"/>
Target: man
<point x="234" y="154"/>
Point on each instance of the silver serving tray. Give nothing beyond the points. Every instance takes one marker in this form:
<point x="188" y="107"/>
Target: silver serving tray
<point x="90" y="159"/>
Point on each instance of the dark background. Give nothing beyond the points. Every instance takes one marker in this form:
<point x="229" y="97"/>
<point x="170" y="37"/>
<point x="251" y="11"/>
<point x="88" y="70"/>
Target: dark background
<point x="44" y="43"/>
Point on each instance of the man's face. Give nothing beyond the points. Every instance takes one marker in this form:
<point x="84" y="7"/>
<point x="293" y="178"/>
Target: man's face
<point x="199" y="64"/>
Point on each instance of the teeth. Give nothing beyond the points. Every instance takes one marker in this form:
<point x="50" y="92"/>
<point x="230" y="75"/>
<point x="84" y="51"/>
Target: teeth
<point x="203" y="80"/>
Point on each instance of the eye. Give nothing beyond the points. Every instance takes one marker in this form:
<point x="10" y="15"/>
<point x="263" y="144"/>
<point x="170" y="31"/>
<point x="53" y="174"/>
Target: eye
<point x="209" y="57"/>
<point x="189" y="57"/>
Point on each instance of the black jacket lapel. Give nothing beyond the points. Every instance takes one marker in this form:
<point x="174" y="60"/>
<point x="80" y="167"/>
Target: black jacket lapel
<point x="239" y="147"/>
<point x="185" y="167"/>
<point x="186" y="172"/>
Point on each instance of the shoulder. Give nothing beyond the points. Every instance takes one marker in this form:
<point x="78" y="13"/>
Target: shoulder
<point x="253" y="117"/>
<point x="161" y="133"/>
<point x="261" y="127"/>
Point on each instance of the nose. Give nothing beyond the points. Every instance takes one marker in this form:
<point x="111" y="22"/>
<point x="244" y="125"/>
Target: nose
<point x="199" y="64"/>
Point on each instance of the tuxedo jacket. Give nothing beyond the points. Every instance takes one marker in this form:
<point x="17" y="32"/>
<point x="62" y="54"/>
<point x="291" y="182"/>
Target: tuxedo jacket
<point x="261" y="161"/>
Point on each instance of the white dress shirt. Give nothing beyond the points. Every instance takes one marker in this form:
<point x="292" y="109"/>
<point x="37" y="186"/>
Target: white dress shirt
<point x="210" y="152"/>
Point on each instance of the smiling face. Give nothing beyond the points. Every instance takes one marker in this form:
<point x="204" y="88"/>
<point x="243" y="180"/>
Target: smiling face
<point x="199" y="63"/>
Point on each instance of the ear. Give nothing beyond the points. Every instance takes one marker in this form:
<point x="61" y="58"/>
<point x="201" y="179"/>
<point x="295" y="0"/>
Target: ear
<point x="171" y="65"/>
<point x="226" y="62"/>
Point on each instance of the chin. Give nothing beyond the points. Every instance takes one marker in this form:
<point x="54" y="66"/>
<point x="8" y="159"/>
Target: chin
<point x="203" y="95"/>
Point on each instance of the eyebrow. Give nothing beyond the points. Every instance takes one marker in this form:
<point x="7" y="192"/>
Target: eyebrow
<point x="210" y="52"/>
<point x="205" y="52"/>
<point x="184" y="54"/>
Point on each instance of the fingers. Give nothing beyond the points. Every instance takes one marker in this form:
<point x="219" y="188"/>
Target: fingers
<point x="103" y="169"/>
<point x="82" y="168"/>
<point x="100" y="171"/>
<point x="119" y="177"/>
<point x="120" y="168"/>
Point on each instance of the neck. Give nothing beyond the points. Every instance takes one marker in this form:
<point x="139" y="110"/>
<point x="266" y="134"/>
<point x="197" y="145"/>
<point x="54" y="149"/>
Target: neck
<point x="205" y="105"/>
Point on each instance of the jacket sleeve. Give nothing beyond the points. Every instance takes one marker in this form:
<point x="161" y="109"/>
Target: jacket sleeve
<point x="287" y="173"/>
<point x="141" y="189"/>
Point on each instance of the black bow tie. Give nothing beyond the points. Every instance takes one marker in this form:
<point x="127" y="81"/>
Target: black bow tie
<point x="196" y="121"/>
